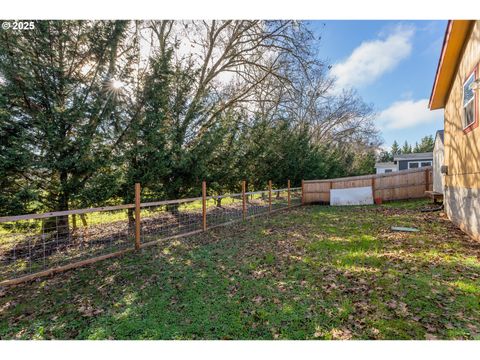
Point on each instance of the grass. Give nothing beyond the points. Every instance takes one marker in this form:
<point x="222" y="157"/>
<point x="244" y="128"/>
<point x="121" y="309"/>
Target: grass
<point x="310" y="273"/>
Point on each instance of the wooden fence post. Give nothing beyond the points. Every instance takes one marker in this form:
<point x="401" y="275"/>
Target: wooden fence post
<point x="373" y="188"/>
<point x="330" y="188"/>
<point x="137" y="216"/>
<point x="303" y="193"/>
<point x="288" y="192"/>
<point x="269" y="195"/>
<point x="426" y="180"/>
<point x="204" y="205"/>
<point x="244" y="200"/>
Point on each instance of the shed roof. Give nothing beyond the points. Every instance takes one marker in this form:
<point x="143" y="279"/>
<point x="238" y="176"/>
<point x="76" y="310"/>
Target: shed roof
<point x="385" y="165"/>
<point x="440" y="134"/>
<point x="414" y="156"/>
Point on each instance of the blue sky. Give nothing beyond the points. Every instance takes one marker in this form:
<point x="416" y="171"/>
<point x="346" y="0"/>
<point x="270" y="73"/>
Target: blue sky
<point x="392" y="65"/>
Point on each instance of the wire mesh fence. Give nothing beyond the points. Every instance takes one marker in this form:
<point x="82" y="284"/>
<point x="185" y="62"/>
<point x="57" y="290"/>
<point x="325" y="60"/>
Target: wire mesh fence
<point x="170" y="218"/>
<point x="257" y="203"/>
<point x="223" y="209"/>
<point x="32" y="244"/>
<point x="279" y="199"/>
<point x="296" y="196"/>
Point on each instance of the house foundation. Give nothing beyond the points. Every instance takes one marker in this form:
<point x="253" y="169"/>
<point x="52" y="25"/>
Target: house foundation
<point x="462" y="206"/>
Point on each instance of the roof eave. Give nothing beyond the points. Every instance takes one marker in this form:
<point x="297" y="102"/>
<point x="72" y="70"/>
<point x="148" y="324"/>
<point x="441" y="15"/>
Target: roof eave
<point x="414" y="156"/>
<point x="456" y="35"/>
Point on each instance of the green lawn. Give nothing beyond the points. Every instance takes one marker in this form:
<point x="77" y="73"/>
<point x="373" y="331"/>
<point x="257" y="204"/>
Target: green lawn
<point x="310" y="273"/>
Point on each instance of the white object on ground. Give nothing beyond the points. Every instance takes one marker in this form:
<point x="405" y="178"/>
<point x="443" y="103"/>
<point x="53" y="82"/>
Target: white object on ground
<point x="406" y="229"/>
<point x="352" y="196"/>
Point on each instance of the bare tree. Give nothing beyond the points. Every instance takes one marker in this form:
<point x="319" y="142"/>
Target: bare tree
<point x="232" y="60"/>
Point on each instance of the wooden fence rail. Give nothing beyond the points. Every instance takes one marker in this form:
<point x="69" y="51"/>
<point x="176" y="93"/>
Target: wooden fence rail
<point x="400" y="185"/>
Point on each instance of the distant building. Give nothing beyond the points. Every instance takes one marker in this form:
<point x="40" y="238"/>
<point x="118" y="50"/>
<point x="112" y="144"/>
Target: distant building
<point x="413" y="161"/>
<point x="438" y="160"/>
<point x="385" y="167"/>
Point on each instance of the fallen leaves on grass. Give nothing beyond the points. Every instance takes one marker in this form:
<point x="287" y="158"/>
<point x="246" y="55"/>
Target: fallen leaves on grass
<point x="341" y="334"/>
<point x="361" y="281"/>
<point x="258" y="299"/>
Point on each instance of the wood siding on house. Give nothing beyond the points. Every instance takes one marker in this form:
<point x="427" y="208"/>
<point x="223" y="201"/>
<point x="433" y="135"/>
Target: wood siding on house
<point x="462" y="146"/>
<point x="462" y="149"/>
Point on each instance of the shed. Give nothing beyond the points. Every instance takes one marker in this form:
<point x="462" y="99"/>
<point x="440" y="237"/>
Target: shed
<point x="385" y="167"/>
<point x="413" y="160"/>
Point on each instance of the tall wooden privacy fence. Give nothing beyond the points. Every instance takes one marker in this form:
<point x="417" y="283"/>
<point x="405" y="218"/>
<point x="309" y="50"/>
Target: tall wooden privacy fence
<point x="36" y="245"/>
<point x="401" y="185"/>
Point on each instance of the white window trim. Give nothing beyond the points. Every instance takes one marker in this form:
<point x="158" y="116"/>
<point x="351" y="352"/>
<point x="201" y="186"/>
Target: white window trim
<point x="465" y="126"/>
<point x="419" y="163"/>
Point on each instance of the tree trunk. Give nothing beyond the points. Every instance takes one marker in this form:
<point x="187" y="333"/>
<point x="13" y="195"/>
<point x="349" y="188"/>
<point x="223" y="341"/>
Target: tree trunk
<point x="62" y="223"/>
<point x="173" y="209"/>
<point x="131" y="221"/>
<point x="55" y="229"/>
<point x="173" y="194"/>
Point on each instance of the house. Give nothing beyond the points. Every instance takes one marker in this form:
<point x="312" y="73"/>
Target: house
<point x="456" y="90"/>
<point x="385" y="167"/>
<point x="413" y="161"/>
<point x="438" y="159"/>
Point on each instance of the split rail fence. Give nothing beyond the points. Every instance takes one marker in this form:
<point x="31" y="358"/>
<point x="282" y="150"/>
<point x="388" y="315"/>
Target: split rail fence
<point x="37" y="245"/>
<point x="400" y="185"/>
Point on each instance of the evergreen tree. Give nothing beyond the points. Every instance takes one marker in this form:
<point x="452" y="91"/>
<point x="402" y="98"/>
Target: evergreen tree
<point x="16" y="191"/>
<point x="364" y="164"/>
<point x="145" y="152"/>
<point x="385" y="156"/>
<point x="57" y="85"/>
<point x="395" y="149"/>
<point x="427" y="143"/>
<point x="406" y="148"/>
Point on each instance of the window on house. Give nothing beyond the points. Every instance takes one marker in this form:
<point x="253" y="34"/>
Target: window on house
<point x="388" y="170"/>
<point x="468" y="102"/>
<point x="413" y="165"/>
<point x="425" y="163"/>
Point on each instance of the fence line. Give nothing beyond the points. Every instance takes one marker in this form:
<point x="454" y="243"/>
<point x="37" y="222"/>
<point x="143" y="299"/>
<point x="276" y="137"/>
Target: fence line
<point x="36" y="245"/>
<point x="400" y="185"/>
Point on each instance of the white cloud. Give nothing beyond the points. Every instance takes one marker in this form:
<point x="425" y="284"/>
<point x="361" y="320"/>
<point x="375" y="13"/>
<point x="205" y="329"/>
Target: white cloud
<point x="373" y="58"/>
<point x="408" y="113"/>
